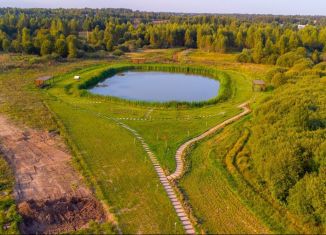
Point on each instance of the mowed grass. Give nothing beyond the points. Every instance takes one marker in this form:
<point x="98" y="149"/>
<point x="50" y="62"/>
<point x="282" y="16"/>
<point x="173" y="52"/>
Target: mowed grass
<point x="111" y="154"/>
<point x="167" y="128"/>
<point x="207" y="186"/>
<point x="122" y="171"/>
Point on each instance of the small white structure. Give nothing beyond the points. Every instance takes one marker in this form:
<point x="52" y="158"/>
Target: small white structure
<point x="301" y="26"/>
<point x="76" y="77"/>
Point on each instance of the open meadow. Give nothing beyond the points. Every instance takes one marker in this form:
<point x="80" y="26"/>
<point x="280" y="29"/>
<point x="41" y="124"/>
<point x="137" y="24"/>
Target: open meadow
<point x="114" y="163"/>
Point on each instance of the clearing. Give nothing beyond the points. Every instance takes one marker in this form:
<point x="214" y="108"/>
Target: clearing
<point x="49" y="193"/>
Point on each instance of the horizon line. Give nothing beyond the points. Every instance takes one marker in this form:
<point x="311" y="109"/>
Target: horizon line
<point x="172" y="12"/>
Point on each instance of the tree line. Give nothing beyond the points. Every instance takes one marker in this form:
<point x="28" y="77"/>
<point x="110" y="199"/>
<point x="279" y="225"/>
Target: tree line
<point x="75" y="32"/>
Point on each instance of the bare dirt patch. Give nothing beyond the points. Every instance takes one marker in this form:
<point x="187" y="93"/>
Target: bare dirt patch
<point x="50" y="194"/>
<point x="55" y="216"/>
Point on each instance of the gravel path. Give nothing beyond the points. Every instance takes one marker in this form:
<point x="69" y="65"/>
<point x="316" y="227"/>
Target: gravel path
<point x="181" y="150"/>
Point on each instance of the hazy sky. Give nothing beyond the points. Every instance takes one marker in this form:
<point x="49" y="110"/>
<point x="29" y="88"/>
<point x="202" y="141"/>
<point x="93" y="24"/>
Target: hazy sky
<point x="311" y="7"/>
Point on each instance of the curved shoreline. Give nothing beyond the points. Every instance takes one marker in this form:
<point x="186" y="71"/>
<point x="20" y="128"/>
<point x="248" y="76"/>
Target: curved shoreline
<point x="223" y="78"/>
<point x="179" y="156"/>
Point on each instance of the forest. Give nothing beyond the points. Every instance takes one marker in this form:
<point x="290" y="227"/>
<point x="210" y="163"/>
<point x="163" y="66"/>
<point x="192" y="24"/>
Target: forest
<point x="78" y="32"/>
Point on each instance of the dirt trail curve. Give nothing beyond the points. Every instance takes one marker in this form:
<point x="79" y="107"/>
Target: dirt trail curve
<point x="181" y="150"/>
<point x="50" y="194"/>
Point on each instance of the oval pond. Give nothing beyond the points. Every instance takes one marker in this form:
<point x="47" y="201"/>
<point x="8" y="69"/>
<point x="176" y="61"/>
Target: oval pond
<point x="158" y="87"/>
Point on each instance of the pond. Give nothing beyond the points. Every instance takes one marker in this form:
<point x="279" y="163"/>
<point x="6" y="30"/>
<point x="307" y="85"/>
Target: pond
<point x="158" y="87"/>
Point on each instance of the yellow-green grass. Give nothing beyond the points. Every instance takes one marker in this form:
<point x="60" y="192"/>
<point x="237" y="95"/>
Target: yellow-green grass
<point x="215" y="204"/>
<point x="121" y="170"/>
<point x="101" y="140"/>
<point x="167" y="129"/>
<point x="224" y="61"/>
<point x="20" y="99"/>
<point x="220" y="181"/>
<point x="9" y="217"/>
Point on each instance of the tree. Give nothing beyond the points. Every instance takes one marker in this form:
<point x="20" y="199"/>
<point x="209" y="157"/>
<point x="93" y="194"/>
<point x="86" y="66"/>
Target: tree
<point x="221" y="43"/>
<point x="190" y="39"/>
<point x="109" y="45"/>
<point x="283" y="44"/>
<point x="239" y="40"/>
<point x="6" y="45"/>
<point x="16" y="46"/>
<point x="315" y="57"/>
<point x="294" y="41"/>
<point x="72" y="46"/>
<point x="258" y="53"/>
<point x="26" y="37"/>
<point x="61" y="47"/>
<point x="73" y="26"/>
<point x="26" y="41"/>
<point x="307" y="197"/>
<point x="46" y="48"/>
<point x="309" y="37"/>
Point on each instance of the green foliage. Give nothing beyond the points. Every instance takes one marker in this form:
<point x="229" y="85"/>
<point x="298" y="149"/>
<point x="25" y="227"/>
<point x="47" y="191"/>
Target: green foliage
<point x="307" y="198"/>
<point x="5" y="45"/>
<point x="245" y="56"/>
<point x="288" y="133"/>
<point x="46" y="48"/>
<point x="72" y="49"/>
<point x="266" y="37"/>
<point x="61" y="47"/>
<point x="288" y="59"/>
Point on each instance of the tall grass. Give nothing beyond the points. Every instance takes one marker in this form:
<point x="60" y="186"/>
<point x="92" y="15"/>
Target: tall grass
<point x="223" y="94"/>
<point x="9" y="217"/>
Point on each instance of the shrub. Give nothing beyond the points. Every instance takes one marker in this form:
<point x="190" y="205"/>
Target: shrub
<point x="245" y="56"/>
<point x="288" y="59"/>
<point x="118" y="52"/>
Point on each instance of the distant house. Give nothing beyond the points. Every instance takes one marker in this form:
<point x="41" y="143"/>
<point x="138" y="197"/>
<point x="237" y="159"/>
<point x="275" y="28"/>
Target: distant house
<point x="260" y="84"/>
<point x="160" y="21"/>
<point x="138" y="60"/>
<point x="83" y="34"/>
<point x="43" y="81"/>
<point x="301" y="26"/>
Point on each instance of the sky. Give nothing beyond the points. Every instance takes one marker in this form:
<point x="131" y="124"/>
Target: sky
<point x="283" y="7"/>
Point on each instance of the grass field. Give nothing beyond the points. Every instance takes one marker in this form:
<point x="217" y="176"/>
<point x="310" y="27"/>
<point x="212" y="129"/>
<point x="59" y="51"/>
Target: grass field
<point x="113" y="161"/>
<point x="215" y="204"/>
<point x="102" y="144"/>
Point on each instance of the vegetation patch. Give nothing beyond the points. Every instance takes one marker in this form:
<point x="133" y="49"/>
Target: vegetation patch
<point x="9" y="218"/>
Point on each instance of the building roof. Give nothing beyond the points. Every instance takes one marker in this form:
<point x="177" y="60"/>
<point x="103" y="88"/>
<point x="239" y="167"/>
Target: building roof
<point x="258" y="82"/>
<point x="44" y="78"/>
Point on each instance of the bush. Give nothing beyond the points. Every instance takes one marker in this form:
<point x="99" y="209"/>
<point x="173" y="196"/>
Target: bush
<point x="288" y="147"/>
<point x="118" y="52"/>
<point x="270" y="74"/>
<point x="245" y="56"/>
<point x="289" y="59"/>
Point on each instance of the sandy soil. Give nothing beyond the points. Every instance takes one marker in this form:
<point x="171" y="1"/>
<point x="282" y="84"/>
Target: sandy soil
<point x="50" y="194"/>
